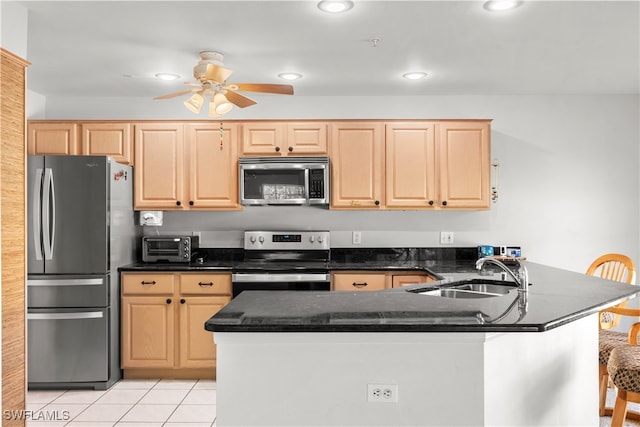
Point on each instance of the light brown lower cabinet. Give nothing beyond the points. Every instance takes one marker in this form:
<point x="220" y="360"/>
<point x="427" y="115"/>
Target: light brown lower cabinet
<point x="163" y="316"/>
<point x="367" y="280"/>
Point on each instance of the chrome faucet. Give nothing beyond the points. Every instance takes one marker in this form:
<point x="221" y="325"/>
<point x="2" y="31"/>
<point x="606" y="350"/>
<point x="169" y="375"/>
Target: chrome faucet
<point x="522" y="279"/>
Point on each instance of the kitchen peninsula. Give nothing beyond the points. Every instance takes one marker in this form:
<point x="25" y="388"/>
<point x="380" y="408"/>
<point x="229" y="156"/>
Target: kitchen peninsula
<point x="317" y="358"/>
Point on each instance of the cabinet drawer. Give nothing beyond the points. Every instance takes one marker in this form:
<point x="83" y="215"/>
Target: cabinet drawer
<point x="399" y="280"/>
<point x="210" y="284"/>
<point x="148" y="284"/>
<point x="359" y="281"/>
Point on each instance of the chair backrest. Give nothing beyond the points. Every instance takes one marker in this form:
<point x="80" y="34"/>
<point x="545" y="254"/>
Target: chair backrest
<point x="619" y="268"/>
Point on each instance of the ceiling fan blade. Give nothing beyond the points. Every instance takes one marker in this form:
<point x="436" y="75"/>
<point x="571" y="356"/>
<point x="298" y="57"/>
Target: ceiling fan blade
<point x="238" y="99"/>
<point x="173" y="95"/>
<point x="266" y="88"/>
<point x="217" y="73"/>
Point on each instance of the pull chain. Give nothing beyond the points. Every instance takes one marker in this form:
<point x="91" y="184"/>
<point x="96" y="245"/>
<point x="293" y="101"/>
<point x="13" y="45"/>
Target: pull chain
<point x="221" y="135"/>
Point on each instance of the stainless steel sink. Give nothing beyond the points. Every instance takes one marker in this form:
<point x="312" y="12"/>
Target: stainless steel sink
<point x="472" y="288"/>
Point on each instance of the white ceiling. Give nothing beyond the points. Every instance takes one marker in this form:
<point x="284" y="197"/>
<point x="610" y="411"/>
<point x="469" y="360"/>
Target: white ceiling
<point x="85" y="48"/>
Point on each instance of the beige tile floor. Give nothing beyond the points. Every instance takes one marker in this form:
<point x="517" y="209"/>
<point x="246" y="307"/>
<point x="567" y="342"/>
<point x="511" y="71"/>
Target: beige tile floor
<point x="149" y="403"/>
<point x="132" y="403"/>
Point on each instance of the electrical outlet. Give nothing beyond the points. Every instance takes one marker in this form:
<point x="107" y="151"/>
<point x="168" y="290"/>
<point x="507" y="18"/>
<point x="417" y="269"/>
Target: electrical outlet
<point x="382" y="393"/>
<point x="446" y="237"/>
<point x="356" y="238"/>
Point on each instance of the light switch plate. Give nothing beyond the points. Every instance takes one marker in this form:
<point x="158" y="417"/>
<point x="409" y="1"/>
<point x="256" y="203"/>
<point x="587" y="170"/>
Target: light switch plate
<point x="446" y="237"/>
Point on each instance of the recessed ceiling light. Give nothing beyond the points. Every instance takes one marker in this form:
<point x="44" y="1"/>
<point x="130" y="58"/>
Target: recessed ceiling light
<point x="500" y="5"/>
<point x="414" y="75"/>
<point x="290" y="76"/>
<point x="335" y="6"/>
<point x="167" y="76"/>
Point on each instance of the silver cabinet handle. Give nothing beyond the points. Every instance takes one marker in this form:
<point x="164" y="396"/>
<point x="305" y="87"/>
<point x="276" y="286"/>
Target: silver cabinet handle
<point x="65" y="316"/>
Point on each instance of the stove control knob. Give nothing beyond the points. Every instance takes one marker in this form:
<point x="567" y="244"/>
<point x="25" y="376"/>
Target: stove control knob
<point x="252" y="239"/>
<point x="319" y="239"/>
<point x="312" y="239"/>
<point x="261" y="239"/>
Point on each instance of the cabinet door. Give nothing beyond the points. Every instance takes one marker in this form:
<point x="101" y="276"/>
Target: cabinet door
<point x="464" y="150"/>
<point x="357" y="165"/>
<point x="108" y="139"/>
<point x="306" y="138"/>
<point x="159" y="171"/>
<point x="148" y="332"/>
<point x="399" y="280"/>
<point x="197" y="349"/>
<point x="213" y="166"/>
<point x="264" y="138"/>
<point x="410" y="165"/>
<point x="359" y="281"/>
<point x="52" y="138"/>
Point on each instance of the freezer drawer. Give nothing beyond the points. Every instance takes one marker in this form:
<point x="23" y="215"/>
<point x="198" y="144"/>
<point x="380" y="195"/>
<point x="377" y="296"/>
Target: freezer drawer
<point x="70" y="291"/>
<point x="68" y="345"/>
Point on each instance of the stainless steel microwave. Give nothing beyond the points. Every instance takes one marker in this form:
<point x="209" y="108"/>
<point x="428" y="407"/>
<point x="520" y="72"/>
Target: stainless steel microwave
<point x="284" y="180"/>
<point x="169" y="248"/>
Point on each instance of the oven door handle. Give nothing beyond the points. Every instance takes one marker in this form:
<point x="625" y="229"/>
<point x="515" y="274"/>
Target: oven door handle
<point x="278" y="277"/>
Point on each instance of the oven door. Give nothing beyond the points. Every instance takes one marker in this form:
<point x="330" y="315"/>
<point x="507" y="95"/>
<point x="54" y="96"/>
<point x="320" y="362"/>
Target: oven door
<point x="280" y="281"/>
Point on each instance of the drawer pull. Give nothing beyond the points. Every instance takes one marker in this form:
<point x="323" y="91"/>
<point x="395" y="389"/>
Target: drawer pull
<point x="145" y="282"/>
<point x="359" y="285"/>
<point x="205" y="283"/>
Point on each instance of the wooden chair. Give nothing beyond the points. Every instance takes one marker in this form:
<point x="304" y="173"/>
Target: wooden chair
<point x="624" y="369"/>
<point x="619" y="268"/>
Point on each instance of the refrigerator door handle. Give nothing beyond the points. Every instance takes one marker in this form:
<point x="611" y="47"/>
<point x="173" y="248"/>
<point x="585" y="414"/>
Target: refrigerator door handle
<point x="65" y="282"/>
<point x="65" y="316"/>
<point x="49" y="208"/>
<point x="37" y="214"/>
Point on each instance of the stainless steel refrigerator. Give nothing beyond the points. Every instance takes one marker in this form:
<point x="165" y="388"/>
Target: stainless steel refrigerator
<point x="81" y="228"/>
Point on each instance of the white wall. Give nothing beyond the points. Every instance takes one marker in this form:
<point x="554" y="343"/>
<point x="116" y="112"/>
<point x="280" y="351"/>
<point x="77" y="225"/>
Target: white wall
<point x="569" y="185"/>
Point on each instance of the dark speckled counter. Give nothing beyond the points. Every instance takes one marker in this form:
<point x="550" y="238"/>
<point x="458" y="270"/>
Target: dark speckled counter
<point x="555" y="297"/>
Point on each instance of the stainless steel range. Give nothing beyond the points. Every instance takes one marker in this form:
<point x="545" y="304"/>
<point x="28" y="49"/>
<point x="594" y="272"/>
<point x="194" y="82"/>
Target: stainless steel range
<point x="283" y="260"/>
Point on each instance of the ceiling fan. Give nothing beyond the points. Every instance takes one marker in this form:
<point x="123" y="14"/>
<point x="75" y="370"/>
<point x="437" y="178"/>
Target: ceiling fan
<point x="212" y="81"/>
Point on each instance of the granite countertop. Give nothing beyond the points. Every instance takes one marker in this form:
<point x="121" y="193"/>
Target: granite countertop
<point x="555" y="297"/>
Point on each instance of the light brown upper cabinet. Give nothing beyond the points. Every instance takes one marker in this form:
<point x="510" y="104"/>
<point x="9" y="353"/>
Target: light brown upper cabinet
<point x="84" y="138"/>
<point x="52" y="138"/>
<point x="411" y="165"/>
<point x="357" y="165"/>
<point x="284" y="139"/>
<point x="463" y="158"/>
<point x="108" y="139"/>
<point x="410" y="176"/>
<point x="182" y="167"/>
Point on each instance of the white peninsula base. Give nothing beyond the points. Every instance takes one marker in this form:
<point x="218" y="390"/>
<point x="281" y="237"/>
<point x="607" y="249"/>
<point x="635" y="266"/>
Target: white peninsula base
<point x="443" y="379"/>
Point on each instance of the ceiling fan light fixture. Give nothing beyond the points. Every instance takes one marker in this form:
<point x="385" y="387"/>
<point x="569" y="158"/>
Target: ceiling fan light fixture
<point x="501" y="5"/>
<point x="335" y="6"/>
<point x="212" y="109"/>
<point x="290" y="76"/>
<point x="194" y="103"/>
<point x="414" y="75"/>
<point x="222" y="104"/>
<point x="167" y="76"/>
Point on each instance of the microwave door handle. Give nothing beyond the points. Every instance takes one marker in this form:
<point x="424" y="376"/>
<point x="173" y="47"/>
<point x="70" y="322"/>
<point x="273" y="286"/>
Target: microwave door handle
<point x="306" y="185"/>
<point x="37" y="214"/>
